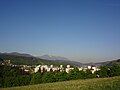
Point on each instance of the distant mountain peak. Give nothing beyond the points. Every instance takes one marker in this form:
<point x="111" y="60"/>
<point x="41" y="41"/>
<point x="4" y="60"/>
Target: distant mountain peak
<point x="51" y="57"/>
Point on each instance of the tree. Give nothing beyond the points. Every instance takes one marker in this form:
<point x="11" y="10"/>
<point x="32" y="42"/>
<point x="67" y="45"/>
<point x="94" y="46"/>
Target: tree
<point x="103" y="72"/>
<point x="114" y="69"/>
<point x="36" y="78"/>
<point x="89" y="74"/>
<point x="1" y="82"/>
<point x="60" y="76"/>
<point x="8" y="81"/>
<point x="48" y="77"/>
<point x="82" y="74"/>
<point x="74" y="74"/>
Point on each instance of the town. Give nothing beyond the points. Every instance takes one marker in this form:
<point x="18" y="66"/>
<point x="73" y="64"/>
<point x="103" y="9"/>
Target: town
<point x="49" y="68"/>
<point x="25" y="74"/>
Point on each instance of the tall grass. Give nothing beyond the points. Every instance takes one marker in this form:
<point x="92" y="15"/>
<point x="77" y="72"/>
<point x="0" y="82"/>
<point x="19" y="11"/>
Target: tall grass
<point x="112" y="83"/>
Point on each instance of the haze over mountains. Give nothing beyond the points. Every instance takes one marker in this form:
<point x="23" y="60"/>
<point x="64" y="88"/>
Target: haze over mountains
<point x="47" y="57"/>
<point x="22" y="58"/>
<point x="51" y="57"/>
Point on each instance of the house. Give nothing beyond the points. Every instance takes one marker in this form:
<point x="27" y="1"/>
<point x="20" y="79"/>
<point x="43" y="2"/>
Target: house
<point x="68" y="69"/>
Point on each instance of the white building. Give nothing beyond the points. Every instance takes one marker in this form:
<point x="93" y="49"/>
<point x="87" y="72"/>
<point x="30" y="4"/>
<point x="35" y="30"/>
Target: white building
<point x="37" y="68"/>
<point x="80" y="68"/>
<point x="68" y="69"/>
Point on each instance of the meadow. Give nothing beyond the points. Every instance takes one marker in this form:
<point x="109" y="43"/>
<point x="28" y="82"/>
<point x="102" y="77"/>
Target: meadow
<point x="110" y="83"/>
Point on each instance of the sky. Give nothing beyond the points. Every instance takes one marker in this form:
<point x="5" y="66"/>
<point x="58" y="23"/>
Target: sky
<point x="80" y="30"/>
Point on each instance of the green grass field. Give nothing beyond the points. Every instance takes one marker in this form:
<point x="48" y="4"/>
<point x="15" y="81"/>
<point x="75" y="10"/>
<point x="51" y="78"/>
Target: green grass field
<point x="112" y="83"/>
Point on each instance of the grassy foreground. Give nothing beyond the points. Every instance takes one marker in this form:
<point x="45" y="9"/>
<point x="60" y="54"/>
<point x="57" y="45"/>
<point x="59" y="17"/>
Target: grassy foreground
<point x="112" y="83"/>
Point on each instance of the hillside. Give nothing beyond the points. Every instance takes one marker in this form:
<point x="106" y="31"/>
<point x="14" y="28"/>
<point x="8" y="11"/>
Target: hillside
<point x="108" y="63"/>
<point x="97" y="84"/>
<point x="105" y="63"/>
<point x="17" y="58"/>
<point x="26" y="60"/>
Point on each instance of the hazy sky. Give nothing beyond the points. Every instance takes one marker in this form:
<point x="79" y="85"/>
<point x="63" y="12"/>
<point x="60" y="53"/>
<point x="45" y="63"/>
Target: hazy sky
<point x="81" y="30"/>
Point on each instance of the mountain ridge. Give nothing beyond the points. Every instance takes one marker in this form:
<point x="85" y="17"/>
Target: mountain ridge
<point x="18" y="54"/>
<point x="51" y="57"/>
<point x="18" y="58"/>
<point x="22" y="58"/>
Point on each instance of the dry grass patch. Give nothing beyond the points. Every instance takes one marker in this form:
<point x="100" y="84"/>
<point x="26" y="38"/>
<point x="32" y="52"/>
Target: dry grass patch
<point x="112" y="83"/>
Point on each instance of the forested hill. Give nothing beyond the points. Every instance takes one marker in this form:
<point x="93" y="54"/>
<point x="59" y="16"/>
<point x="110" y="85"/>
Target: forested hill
<point x="114" y="61"/>
<point x="31" y="60"/>
<point x="108" y="63"/>
<point x="27" y="59"/>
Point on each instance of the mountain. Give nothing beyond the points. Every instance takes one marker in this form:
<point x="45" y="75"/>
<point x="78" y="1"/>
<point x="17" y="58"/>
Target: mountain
<point x="17" y="54"/>
<point x="106" y="63"/>
<point x="18" y="58"/>
<point x="50" y="57"/>
<point x="60" y="59"/>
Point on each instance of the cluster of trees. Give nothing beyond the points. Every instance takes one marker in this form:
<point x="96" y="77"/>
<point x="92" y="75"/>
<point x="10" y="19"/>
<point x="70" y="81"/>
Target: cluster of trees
<point x="110" y="70"/>
<point x="12" y="76"/>
<point x="60" y="76"/>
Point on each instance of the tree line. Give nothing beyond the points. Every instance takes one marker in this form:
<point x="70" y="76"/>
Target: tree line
<point x="13" y="76"/>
